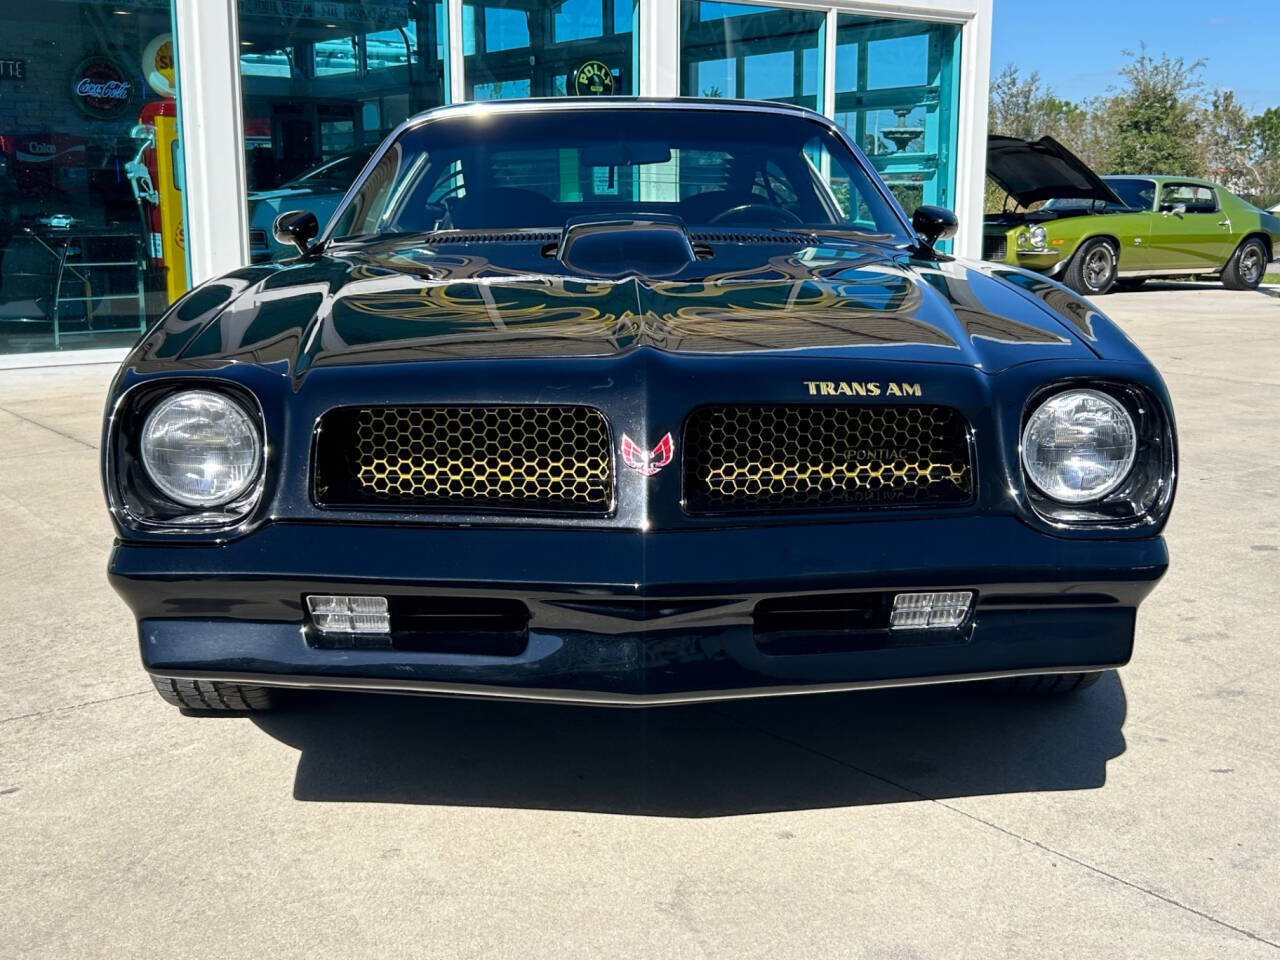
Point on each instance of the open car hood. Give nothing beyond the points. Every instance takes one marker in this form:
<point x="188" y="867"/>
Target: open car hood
<point x="1031" y="171"/>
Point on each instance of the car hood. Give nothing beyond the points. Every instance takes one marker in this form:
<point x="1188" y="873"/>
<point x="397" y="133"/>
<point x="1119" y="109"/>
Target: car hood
<point x="389" y="302"/>
<point x="1032" y="171"/>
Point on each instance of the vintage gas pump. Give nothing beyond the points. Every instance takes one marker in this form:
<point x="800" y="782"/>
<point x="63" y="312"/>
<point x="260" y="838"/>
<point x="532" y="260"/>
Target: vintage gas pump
<point x="154" y="175"/>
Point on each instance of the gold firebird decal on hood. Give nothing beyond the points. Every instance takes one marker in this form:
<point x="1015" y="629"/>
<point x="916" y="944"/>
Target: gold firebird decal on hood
<point x="862" y="388"/>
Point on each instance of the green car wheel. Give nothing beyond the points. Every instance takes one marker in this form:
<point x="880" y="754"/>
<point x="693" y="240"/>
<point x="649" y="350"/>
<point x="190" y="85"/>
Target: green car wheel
<point x="1247" y="265"/>
<point x="1092" y="271"/>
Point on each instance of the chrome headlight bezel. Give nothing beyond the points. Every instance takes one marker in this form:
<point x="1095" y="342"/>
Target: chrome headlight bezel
<point x="135" y="497"/>
<point x="1144" y="493"/>
<point x="1038" y="237"/>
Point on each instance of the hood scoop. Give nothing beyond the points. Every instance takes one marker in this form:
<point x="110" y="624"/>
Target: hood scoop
<point x="649" y="246"/>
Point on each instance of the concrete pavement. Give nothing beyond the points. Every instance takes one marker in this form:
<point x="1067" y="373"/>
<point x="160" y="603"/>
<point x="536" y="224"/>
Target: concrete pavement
<point x="1138" y="819"/>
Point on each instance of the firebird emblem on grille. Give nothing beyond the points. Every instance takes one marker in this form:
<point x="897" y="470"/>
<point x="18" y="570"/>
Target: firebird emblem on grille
<point x="651" y="462"/>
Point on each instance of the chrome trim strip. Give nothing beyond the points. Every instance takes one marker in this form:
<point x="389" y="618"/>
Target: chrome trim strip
<point x="1212" y="272"/>
<point x="599" y="698"/>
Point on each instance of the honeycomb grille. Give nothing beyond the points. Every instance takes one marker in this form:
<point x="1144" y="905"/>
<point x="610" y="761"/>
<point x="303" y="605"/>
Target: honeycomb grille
<point x="529" y="457"/>
<point x="749" y="459"/>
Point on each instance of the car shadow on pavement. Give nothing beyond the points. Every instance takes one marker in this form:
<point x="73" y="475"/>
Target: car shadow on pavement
<point x="790" y="753"/>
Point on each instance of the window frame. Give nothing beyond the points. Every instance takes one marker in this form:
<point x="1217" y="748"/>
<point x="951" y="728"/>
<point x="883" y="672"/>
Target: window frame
<point x="1173" y="184"/>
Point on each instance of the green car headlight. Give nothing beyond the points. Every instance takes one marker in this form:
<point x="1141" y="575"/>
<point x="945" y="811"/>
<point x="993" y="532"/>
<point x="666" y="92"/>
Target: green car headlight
<point x="1039" y="237"/>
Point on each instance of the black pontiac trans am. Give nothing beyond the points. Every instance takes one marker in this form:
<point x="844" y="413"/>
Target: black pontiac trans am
<point x="631" y="402"/>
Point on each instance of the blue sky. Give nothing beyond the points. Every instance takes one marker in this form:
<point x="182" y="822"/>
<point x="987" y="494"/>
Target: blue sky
<point x="1076" y="45"/>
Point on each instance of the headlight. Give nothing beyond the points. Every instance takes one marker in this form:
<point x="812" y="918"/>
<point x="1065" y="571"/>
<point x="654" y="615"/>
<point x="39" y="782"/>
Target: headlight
<point x="1079" y="446"/>
<point x="201" y="449"/>
<point x="1039" y="236"/>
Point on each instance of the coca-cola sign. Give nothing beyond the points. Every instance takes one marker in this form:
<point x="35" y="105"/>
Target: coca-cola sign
<point x="100" y="88"/>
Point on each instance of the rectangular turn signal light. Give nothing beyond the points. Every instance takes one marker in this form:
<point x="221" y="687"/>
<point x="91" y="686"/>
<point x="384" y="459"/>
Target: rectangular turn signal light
<point x="344" y="614"/>
<point x="924" y="611"/>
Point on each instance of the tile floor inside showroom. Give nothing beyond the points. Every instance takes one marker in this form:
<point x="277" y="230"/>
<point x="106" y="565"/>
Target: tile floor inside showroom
<point x="1139" y="819"/>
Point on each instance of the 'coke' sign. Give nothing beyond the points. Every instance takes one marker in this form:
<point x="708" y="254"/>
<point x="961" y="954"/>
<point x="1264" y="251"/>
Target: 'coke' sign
<point x="101" y="88"/>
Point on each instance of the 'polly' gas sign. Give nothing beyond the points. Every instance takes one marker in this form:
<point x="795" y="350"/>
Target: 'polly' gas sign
<point x="101" y="88"/>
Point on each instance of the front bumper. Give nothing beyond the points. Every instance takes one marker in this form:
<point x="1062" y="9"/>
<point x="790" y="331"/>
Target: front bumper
<point x="1048" y="262"/>
<point x="628" y="617"/>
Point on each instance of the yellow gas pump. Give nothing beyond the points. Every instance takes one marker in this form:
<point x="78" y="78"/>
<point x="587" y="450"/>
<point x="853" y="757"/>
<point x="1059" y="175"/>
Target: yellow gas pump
<point x="168" y="242"/>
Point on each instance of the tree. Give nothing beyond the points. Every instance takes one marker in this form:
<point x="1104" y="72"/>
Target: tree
<point x="1266" y="127"/>
<point x="1266" y="133"/>
<point x="1231" y="144"/>
<point x="1157" y="112"/>
<point x="1026" y="108"/>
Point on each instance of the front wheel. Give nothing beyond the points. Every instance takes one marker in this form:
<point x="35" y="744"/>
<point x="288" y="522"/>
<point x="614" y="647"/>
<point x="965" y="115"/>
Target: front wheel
<point x="1092" y="271"/>
<point x="1046" y="685"/>
<point x="1247" y="265"/>
<point x="213" y="695"/>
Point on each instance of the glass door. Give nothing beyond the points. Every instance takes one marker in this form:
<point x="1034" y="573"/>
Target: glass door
<point x="323" y="83"/>
<point x="897" y="88"/>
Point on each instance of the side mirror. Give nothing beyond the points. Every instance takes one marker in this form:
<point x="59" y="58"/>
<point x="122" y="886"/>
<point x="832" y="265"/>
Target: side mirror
<point x="298" y="227"/>
<point x="934" y="224"/>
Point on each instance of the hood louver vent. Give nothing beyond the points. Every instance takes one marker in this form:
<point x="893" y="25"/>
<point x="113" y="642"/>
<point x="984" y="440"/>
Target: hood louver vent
<point x="797" y="239"/>
<point x="442" y="237"/>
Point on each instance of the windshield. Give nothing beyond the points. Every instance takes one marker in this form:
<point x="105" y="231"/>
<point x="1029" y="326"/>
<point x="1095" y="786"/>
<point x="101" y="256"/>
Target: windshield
<point x="1060" y="205"/>
<point x="1136" y="194"/>
<point x="1077" y="203"/>
<point x="541" y="168"/>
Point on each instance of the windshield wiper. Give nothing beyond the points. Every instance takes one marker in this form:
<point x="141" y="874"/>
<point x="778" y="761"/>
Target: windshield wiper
<point x="847" y="233"/>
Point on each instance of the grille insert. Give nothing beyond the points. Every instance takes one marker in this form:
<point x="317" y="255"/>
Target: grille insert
<point x="752" y="459"/>
<point x="995" y="248"/>
<point x="533" y="458"/>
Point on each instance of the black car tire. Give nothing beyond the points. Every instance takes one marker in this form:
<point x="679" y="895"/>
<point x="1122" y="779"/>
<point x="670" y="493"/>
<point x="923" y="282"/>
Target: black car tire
<point x="1245" y="269"/>
<point x="1092" y="271"/>
<point x="1047" y="685"/>
<point x="213" y="695"/>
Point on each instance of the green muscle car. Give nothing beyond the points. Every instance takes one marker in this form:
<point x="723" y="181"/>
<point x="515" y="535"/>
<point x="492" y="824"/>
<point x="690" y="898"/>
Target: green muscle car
<point x="1093" y="233"/>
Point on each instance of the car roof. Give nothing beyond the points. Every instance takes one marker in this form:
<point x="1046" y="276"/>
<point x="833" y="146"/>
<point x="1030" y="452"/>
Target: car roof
<point x="518" y="105"/>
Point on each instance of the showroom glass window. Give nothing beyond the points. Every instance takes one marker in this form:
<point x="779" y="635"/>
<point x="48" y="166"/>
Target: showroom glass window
<point x="897" y="88"/>
<point x="91" y="232"/>
<point x="323" y="84"/>
<point x="573" y="48"/>
<point x="737" y="50"/>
